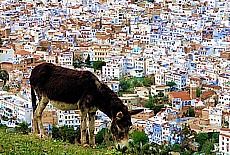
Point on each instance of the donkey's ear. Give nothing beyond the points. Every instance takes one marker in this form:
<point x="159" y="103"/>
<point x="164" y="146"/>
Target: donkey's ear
<point x="135" y="111"/>
<point x="119" y="115"/>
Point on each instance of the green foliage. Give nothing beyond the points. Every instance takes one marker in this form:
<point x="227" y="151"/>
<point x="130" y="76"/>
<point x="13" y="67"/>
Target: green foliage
<point x="4" y="75"/>
<point x="215" y="137"/>
<point x="207" y="147"/>
<point x="159" y="149"/>
<point x="97" y="65"/>
<point x="66" y="133"/>
<point x="87" y="60"/>
<point x="130" y="83"/>
<point x="186" y="131"/>
<point x="147" y="82"/>
<point x="191" y="112"/>
<point x="124" y="84"/>
<point x="103" y="136"/>
<point x="4" y="118"/>
<point x="139" y="137"/>
<point x="78" y="62"/>
<point x="113" y="152"/>
<point x="201" y="137"/>
<point x="149" y="103"/>
<point x="11" y="143"/>
<point x="186" y="152"/>
<point x="198" y="92"/>
<point x="155" y="99"/>
<point x="157" y="108"/>
<point x="225" y="124"/>
<point x="1" y="42"/>
<point x="44" y="48"/>
<point x="136" y="83"/>
<point x="165" y="99"/>
<point x="55" y="132"/>
<point x="160" y="94"/>
<point x="171" y="84"/>
<point x="176" y="148"/>
<point x="23" y="128"/>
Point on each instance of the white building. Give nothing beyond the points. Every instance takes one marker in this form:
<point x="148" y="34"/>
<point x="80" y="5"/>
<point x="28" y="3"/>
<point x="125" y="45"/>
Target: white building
<point x="215" y="116"/>
<point x="65" y="59"/>
<point x="224" y="140"/>
<point x="111" y="71"/>
<point x="224" y="99"/>
<point x="69" y="118"/>
<point x="16" y="108"/>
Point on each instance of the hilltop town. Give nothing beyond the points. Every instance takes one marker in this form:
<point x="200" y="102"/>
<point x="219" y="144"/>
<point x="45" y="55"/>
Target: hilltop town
<point x="183" y="46"/>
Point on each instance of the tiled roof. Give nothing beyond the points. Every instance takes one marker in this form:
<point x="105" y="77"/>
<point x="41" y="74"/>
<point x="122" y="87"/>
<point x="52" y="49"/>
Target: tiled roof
<point x="182" y="95"/>
<point x="22" y="52"/>
<point x="207" y="94"/>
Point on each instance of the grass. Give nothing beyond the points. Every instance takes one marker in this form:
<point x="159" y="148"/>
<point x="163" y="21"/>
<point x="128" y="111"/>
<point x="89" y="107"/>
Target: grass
<point x="19" y="144"/>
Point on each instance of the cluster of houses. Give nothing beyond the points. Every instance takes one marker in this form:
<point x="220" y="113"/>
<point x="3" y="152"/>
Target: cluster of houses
<point x="182" y="41"/>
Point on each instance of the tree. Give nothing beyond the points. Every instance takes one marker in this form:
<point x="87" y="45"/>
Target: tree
<point x="160" y="94"/>
<point x="147" y="81"/>
<point x="136" y="83"/>
<point x="215" y="137"/>
<point x="149" y="103"/>
<point x="176" y="148"/>
<point x="201" y="137"/>
<point x="191" y="112"/>
<point x="171" y="84"/>
<point x="186" y="131"/>
<point x="66" y="133"/>
<point x="225" y="124"/>
<point x="87" y="60"/>
<point x="198" y="92"/>
<point x="4" y="75"/>
<point x="165" y="99"/>
<point x="124" y="84"/>
<point x="78" y="62"/>
<point x="207" y="147"/>
<point x="97" y="65"/>
<point x="157" y="108"/>
<point x="44" y="48"/>
<point x="1" y="42"/>
<point x="139" y="137"/>
<point x="23" y="128"/>
<point x="4" y="118"/>
<point x="155" y="99"/>
<point x="55" y="132"/>
<point x="6" y="88"/>
<point x="103" y="136"/>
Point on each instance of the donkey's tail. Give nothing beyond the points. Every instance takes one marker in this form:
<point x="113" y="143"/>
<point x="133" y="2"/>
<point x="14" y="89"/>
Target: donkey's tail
<point x="33" y="98"/>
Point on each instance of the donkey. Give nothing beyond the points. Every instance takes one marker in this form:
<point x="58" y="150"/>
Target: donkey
<point x="68" y="89"/>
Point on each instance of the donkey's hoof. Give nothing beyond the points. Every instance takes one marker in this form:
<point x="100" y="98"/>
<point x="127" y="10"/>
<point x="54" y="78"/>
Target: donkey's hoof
<point x="85" y="145"/>
<point x="93" y="146"/>
<point x="43" y="137"/>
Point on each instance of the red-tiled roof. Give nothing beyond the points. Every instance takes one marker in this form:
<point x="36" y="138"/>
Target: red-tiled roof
<point x="22" y="52"/>
<point x="207" y="94"/>
<point x="225" y="129"/>
<point x="182" y="95"/>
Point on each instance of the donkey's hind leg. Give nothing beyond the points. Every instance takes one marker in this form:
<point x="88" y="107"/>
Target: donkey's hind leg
<point x="92" y="114"/>
<point x="38" y="114"/>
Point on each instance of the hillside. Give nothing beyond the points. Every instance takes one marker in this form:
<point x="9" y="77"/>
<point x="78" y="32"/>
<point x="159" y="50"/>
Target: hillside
<point x="11" y="143"/>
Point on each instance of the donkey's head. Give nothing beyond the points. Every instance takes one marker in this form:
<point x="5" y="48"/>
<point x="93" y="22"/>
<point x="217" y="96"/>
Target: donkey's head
<point x="121" y="127"/>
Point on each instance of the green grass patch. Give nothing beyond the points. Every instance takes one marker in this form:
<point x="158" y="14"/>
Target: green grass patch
<point x="12" y="143"/>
